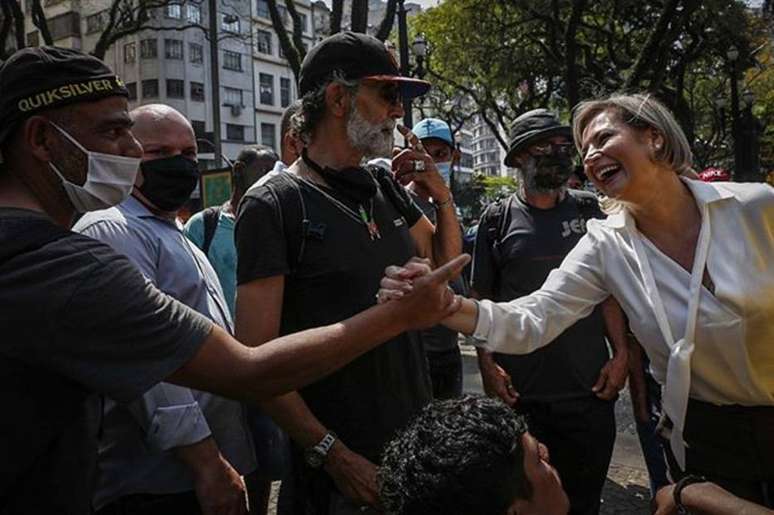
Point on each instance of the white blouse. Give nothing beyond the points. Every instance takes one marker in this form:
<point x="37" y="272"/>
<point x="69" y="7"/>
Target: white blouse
<point x="729" y="359"/>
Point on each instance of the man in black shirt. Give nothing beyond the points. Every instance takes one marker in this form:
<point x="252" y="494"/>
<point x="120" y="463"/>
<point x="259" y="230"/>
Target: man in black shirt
<point x="567" y="388"/>
<point x="78" y="320"/>
<point x="312" y="246"/>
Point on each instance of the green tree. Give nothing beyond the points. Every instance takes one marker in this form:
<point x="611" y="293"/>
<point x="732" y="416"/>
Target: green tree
<point x="501" y="58"/>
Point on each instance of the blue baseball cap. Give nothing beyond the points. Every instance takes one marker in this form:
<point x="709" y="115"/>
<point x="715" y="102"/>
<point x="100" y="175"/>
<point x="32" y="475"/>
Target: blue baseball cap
<point x="434" y="128"/>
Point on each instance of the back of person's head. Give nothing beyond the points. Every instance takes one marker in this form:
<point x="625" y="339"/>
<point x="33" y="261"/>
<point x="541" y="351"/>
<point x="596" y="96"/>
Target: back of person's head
<point x="461" y="456"/>
<point x="252" y="163"/>
<point x="640" y="111"/>
<point x="290" y="143"/>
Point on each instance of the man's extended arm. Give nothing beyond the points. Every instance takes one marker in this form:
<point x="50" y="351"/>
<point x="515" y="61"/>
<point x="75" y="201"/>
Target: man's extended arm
<point x="706" y="499"/>
<point x="225" y="366"/>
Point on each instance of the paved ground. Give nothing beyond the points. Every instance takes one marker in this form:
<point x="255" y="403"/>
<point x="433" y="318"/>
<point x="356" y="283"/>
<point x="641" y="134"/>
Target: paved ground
<point x="626" y="490"/>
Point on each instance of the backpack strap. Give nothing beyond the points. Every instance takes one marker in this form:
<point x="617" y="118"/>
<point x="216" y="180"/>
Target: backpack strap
<point x="210" y="216"/>
<point x="294" y="219"/>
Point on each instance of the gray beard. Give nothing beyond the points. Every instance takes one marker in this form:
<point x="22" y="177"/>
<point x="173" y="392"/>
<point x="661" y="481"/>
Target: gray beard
<point x="529" y="183"/>
<point x="370" y="138"/>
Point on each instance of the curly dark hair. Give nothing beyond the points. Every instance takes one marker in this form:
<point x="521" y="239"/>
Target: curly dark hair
<point x="458" y="457"/>
<point x="312" y="110"/>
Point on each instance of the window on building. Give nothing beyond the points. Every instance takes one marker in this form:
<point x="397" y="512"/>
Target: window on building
<point x="150" y="88"/>
<point x="130" y="53"/>
<point x="96" y="22"/>
<point x="229" y="23"/>
<point x="131" y="87"/>
<point x="174" y="11"/>
<point x="193" y="12"/>
<point x="263" y="41"/>
<point x="266" y="88"/>
<point x="175" y="88"/>
<point x="302" y="17"/>
<point x="173" y="49"/>
<point x="235" y="132"/>
<point x="33" y="38"/>
<point x="284" y="91"/>
<point x="148" y="49"/>
<point x="65" y="25"/>
<point x="268" y="136"/>
<point x="283" y="12"/>
<point x="262" y="8"/>
<point x="197" y="91"/>
<point x="232" y="60"/>
<point x="195" y="53"/>
<point x="199" y="128"/>
<point x="232" y="97"/>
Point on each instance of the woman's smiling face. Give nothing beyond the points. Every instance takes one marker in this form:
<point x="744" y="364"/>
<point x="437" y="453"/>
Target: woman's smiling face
<point x="617" y="158"/>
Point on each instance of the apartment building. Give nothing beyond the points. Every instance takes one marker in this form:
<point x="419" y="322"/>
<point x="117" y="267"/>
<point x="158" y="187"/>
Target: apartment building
<point x="275" y="85"/>
<point x="488" y="155"/>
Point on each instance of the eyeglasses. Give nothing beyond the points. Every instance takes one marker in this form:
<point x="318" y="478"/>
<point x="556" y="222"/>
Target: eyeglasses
<point x="549" y="148"/>
<point x="388" y="91"/>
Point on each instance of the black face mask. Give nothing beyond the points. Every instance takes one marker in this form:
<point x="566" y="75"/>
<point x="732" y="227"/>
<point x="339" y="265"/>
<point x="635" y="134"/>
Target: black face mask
<point x="356" y="183"/>
<point x="168" y="182"/>
<point x="552" y="171"/>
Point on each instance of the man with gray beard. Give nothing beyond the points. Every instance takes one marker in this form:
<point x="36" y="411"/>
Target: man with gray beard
<point x="566" y="389"/>
<point x="312" y="246"/>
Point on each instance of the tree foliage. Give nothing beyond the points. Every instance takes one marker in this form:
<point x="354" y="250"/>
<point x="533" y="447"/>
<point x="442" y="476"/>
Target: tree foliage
<point x="500" y="58"/>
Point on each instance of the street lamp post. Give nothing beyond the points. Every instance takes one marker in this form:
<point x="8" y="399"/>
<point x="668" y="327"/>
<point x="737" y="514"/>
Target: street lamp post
<point x="419" y="48"/>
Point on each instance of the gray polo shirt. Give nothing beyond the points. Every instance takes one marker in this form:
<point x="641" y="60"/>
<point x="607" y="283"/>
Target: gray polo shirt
<point x="135" y="449"/>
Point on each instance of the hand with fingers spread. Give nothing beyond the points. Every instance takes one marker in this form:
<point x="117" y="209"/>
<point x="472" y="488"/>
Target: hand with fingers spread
<point x="415" y="165"/>
<point x="421" y="294"/>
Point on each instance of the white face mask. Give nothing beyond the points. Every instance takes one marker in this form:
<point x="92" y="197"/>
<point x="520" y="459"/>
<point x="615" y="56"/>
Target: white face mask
<point x="444" y="168"/>
<point x="109" y="179"/>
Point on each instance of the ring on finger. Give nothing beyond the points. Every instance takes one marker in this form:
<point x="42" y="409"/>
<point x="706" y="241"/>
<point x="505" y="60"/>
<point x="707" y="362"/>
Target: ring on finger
<point x="419" y="165"/>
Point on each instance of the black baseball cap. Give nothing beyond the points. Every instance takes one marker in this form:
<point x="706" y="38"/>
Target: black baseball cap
<point x="356" y="56"/>
<point x="39" y="78"/>
<point x="532" y="126"/>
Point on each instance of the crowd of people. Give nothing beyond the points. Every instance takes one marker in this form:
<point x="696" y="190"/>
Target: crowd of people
<point x="307" y="329"/>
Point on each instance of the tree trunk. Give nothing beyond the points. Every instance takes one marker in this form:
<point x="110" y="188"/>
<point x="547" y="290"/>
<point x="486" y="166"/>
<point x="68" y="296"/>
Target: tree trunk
<point x="39" y="20"/>
<point x="571" y="51"/>
<point x="385" y="27"/>
<point x="18" y="23"/>
<point x="359" y="17"/>
<point x="649" y="52"/>
<point x="282" y="34"/>
<point x="337" y="7"/>
<point x="5" y="28"/>
<point x="298" y="30"/>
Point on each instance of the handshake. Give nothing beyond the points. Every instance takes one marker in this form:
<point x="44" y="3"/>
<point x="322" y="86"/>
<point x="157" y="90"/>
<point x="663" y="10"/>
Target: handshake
<point x="420" y="293"/>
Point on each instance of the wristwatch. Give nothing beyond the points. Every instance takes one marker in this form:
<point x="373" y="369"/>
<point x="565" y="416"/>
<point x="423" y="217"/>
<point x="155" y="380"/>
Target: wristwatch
<point x="315" y="456"/>
<point x="678" y="490"/>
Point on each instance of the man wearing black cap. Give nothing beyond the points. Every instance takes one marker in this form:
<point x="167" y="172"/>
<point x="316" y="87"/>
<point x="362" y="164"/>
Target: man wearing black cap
<point x="78" y="319"/>
<point x="567" y="388"/>
<point x="337" y="225"/>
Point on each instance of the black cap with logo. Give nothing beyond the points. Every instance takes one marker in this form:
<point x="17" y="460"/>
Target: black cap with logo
<point x="355" y="56"/>
<point x="532" y="126"/>
<point x="39" y="78"/>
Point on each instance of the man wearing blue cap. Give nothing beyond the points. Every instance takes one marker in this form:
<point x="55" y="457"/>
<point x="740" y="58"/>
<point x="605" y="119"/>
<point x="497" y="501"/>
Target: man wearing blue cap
<point x="567" y="389"/>
<point x="443" y="352"/>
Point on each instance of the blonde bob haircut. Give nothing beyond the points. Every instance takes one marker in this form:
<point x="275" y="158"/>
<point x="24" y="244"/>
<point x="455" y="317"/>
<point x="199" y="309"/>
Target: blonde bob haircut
<point x="640" y="111"/>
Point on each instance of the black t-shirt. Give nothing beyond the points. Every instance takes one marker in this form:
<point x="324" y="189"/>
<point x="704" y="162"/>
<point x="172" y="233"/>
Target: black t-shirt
<point x="338" y="276"/>
<point x="76" y="320"/>
<point x="513" y="256"/>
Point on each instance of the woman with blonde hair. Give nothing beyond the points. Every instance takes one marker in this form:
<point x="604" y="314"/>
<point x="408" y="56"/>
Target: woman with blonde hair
<point x="691" y="265"/>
